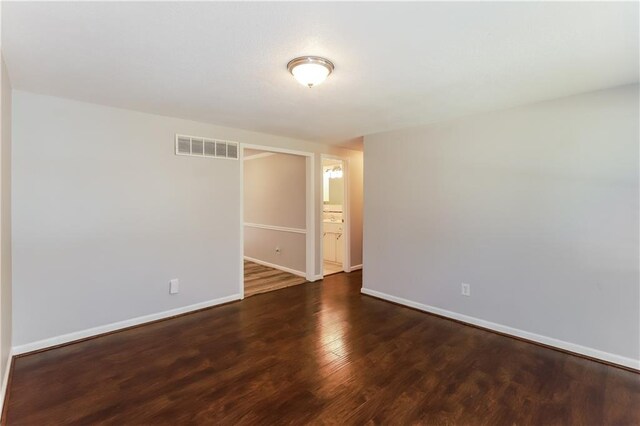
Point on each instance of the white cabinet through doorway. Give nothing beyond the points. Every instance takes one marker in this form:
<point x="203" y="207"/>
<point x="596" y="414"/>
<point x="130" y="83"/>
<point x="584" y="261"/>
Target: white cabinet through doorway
<point x="333" y="243"/>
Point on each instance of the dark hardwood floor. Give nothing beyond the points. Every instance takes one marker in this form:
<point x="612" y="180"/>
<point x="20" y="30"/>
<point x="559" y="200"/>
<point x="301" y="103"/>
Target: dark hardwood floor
<point x="316" y="353"/>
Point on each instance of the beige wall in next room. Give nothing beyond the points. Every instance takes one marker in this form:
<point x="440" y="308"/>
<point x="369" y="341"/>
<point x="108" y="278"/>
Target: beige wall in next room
<point x="275" y="195"/>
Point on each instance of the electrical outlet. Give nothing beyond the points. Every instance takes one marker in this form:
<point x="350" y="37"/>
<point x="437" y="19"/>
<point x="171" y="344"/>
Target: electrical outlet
<point x="174" y="286"/>
<point x="466" y="289"/>
<point x="278" y="250"/>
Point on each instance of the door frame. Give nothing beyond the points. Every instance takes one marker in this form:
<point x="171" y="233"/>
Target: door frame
<point x="310" y="221"/>
<point x="346" y="209"/>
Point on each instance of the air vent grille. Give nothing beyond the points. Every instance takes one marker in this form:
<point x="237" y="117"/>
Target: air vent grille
<point x="197" y="147"/>
<point x="183" y="146"/>
<point x="209" y="148"/>
<point x="221" y="149"/>
<point x="203" y="147"/>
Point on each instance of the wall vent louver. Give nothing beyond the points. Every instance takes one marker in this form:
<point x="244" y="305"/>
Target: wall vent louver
<point x="197" y="147"/>
<point x="202" y="147"/>
<point x="183" y="146"/>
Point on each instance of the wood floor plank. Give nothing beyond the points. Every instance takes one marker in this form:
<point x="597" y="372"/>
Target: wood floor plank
<point x="319" y="353"/>
<point x="261" y="279"/>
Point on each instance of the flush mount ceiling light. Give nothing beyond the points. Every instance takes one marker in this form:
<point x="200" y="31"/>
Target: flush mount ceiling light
<point x="310" y="70"/>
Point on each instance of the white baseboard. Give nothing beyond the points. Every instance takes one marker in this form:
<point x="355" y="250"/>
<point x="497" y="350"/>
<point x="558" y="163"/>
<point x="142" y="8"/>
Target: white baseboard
<point x="355" y="267"/>
<point x="274" y="266"/>
<point x="5" y="380"/>
<point x="83" y="334"/>
<point x="571" y="347"/>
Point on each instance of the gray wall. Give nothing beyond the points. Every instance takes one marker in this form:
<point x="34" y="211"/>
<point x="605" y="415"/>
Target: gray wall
<point x="5" y="222"/>
<point x="275" y="194"/>
<point x="536" y="207"/>
<point x="261" y="244"/>
<point x="105" y="214"/>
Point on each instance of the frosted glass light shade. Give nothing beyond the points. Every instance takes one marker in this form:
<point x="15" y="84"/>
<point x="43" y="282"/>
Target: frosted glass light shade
<point x="310" y="70"/>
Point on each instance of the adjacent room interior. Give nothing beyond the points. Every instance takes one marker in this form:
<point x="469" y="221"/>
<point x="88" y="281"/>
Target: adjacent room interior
<point x="247" y="213"/>
<point x="274" y="215"/>
<point x="334" y="241"/>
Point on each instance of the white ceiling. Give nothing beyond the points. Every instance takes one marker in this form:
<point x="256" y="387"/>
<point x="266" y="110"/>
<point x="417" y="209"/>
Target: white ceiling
<point x="397" y="64"/>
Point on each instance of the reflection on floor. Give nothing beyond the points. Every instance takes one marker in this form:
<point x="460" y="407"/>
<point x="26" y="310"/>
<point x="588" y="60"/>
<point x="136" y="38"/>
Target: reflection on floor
<point x="331" y="268"/>
<point x="260" y="279"/>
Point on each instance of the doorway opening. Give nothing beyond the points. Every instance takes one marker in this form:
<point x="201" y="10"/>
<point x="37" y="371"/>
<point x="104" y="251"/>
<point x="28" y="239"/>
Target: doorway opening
<point x="277" y="229"/>
<point x="335" y="241"/>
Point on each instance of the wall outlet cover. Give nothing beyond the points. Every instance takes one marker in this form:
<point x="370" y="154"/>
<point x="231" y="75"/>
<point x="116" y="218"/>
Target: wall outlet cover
<point x="466" y="289"/>
<point x="174" y="286"/>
